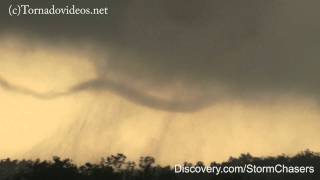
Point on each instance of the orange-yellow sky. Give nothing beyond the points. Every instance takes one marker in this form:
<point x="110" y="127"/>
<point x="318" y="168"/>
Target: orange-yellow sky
<point x="89" y="125"/>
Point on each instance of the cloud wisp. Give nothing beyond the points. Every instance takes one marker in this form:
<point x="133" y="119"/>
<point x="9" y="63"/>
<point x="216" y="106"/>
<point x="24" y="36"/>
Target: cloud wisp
<point x="129" y="93"/>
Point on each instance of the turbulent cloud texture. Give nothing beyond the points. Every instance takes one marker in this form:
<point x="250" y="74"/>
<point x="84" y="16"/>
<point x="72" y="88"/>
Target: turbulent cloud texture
<point x="247" y="47"/>
<point x="144" y="79"/>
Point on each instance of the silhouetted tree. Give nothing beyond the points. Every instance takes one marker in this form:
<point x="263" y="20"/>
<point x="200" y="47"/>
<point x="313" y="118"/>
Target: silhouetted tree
<point x="116" y="167"/>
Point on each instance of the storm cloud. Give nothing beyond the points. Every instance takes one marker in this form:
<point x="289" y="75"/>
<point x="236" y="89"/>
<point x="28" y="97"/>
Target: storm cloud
<point x="245" y="47"/>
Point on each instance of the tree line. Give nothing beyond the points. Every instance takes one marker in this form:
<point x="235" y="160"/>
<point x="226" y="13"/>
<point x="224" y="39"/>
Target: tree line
<point x="117" y="167"/>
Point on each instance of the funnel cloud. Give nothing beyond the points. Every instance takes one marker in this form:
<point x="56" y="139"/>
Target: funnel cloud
<point x="128" y="93"/>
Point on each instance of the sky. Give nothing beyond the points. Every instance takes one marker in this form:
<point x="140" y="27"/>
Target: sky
<point x="181" y="81"/>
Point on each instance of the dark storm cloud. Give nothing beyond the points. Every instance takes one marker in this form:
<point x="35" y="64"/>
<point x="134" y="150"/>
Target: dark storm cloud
<point x="248" y="46"/>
